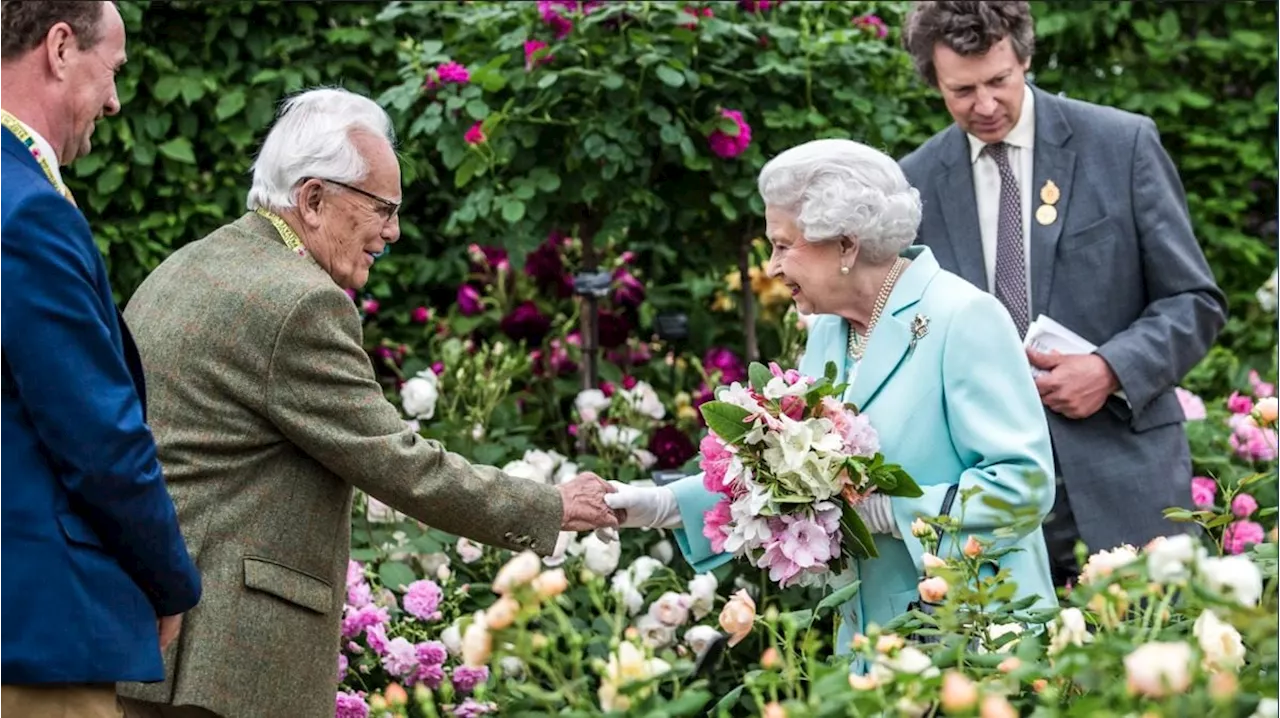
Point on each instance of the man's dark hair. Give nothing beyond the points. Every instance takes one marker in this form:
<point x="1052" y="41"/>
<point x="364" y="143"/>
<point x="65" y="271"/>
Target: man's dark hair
<point x="24" y="23"/>
<point x="966" y="27"/>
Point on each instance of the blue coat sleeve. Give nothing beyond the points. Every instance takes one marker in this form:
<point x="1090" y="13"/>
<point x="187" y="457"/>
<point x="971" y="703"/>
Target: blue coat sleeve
<point x="995" y="421"/>
<point x="70" y="371"/>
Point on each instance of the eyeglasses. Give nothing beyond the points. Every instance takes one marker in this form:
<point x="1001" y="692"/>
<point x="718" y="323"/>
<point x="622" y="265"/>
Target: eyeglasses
<point x="386" y="208"/>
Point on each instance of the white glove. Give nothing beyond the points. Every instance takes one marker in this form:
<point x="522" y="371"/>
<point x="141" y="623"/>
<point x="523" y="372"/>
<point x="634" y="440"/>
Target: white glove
<point x="877" y="513"/>
<point x="650" y="507"/>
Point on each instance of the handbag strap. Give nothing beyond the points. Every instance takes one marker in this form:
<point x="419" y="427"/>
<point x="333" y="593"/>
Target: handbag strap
<point x="947" y="501"/>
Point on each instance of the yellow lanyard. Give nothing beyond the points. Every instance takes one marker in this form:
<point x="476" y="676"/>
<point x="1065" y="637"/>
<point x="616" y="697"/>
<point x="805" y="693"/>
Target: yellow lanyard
<point x="286" y="232"/>
<point x="19" y="130"/>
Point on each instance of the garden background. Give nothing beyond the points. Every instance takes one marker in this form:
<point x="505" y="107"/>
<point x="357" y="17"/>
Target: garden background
<point x="543" y="140"/>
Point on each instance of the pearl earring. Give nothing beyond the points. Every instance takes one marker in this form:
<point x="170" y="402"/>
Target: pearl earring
<point x="844" y="270"/>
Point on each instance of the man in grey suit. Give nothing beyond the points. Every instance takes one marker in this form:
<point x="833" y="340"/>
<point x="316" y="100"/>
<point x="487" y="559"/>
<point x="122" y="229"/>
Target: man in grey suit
<point x="1073" y="211"/>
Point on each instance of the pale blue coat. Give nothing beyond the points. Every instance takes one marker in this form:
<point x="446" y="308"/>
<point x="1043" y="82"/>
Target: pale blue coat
<point x="959" y="406"/>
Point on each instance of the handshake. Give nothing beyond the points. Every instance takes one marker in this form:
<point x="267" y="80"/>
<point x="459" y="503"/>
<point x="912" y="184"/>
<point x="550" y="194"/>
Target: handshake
<point x="591" y="503"/>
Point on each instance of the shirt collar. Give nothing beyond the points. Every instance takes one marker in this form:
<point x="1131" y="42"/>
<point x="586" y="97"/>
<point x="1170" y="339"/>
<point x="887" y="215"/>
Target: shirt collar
<point x="1023" y="134"/>
<point x="46" y="150"/>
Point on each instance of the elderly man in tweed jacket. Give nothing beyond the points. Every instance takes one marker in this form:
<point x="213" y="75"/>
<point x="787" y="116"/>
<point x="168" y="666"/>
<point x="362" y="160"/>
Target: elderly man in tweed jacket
<point x="266" y="413"/>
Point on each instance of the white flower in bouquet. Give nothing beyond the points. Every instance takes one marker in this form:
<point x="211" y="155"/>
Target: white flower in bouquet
<point x="702" y="589"/>
<point x="643" y="400"/>
<point x="1158" y="669"/>
<point x="663" y="551"/>
<point x="1219" y="641"/>
<point x="1233" y="576"/>
<point x="601" y="557"/>
<point x="522" y="469"/>
<point x="1170" y="560"/>
<point x="628" y="665"/>
<point x="699" y="638"/>
<point x="672" y="608"/>
<point x="1103" y="563"/>
<point x="468" y="551"/>
<point x="419" y="395"/>
<point x="778" y="387"/>
<point x="590" y="403"/>
<point x="1070" y="629"/>
<point x="654" y="633"/>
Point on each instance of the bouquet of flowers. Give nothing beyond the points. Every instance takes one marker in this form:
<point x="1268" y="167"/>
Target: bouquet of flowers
<point x="792" y="461"/>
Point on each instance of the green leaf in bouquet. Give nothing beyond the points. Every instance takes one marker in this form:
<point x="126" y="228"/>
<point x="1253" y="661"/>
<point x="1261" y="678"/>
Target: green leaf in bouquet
<point x="394" y="575"/>
<point x="726" y="420"/>
<point x="760" y="375"/>
<point x="857" y="539"/>
<point x="837" y="598"/>
<point x="830" y="372"/>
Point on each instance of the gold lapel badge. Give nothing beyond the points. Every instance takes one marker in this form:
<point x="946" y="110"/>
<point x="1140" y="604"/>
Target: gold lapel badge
<point x="919" y="328"/>
<point x="1047" y="213"/>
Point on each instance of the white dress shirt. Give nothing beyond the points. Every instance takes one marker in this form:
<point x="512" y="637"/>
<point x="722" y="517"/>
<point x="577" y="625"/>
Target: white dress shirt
<point x="46" y="151"/>
<point x="986" y="188"/>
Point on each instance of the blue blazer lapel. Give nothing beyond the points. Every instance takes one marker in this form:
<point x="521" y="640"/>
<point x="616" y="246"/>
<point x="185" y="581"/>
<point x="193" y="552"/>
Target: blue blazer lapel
<point x="1053" y="162"/>
<point x="960" y="208"/>
<point x="891" y="341"/>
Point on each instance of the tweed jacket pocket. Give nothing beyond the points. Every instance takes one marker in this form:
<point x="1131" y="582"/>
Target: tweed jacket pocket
<point x="292" y="585"/>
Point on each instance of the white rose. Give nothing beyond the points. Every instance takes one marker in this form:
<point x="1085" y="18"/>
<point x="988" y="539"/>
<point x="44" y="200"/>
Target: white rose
<point x="589" y="404"/>
<point x="522" y="469"/>
<point x="643" y="568"/>
<point x="544" y="461"/>
<point x="1219" y="641"/>
<point x="1103" y="563"/>
<point x="1235" y="576"/>
<point x="663" y="551"/>
<point x="614" y="435"/>
<point x="654" y="633"/>
<point x="1170" y="560"/>
<point x="380" y="513"/>
<point x="672" y="608"/>
<point x="1267" y="708"/>
<point x="644" y="458"/>
<point x="451" y="637"/>
<point x="432" y="562"/>
<point x="624" y="588"/>
<point x="1266" y="294"/>
<point x="908" y="660"/>
<point x="643" y="400"/>
<point x="699" y="638"/>
<point x="469" y="551"/>
<point x="419" y="394"/>
<point x="567" y="471"/>
<point x="1159" y="669"/>
<point x="601" y="557"/>
<point x="702" y="588"/>
<point x="995" y="632"/>
<point x="1069" y="629"/>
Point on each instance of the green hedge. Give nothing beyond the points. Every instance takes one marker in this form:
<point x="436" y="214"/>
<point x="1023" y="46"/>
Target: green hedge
<point x="204" y="79"/>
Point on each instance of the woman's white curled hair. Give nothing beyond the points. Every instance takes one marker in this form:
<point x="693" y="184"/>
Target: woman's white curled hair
<point x="841" y="188"/>
<point x="312" y="138"/>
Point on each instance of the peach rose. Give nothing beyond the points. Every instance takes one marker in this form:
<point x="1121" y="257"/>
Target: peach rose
<point x="502" y="613"/>
<point x="550" y="584"/>
<point x="959" y="694"/>
<point x="933" y="590"/>
<point x="738" y="616"/>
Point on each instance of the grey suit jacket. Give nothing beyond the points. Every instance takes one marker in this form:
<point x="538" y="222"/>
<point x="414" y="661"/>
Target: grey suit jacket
<point x="266" y="412"/>
<point x="1120" y="266"/>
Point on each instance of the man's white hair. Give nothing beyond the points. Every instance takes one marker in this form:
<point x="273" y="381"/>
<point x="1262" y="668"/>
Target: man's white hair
<point x="312" y="138"/>
<point x="841" y="188"/>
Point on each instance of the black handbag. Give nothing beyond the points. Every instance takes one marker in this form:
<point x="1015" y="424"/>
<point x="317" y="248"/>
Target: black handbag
<point x="920" y="604"/>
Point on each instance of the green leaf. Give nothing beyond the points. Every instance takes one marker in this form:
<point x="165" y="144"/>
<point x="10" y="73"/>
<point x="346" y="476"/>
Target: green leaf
<point x="178" y="149"/>
<point x="858" y="541"/>
<point x="725" y="705"/>
<point x="669" y="76"/>
<point x="229" y="104"/>
<point x="612" y="81"/>
<point x="395" y="575"/>
<point x="760" y="375"/>
<point x="547" y="80"/>
<point x="513" y="211"/>
<point x="467" y="170"/>
<point x="726" y="420"/>
<point x="167" y="88"/>
<point x="111" y="179"/>
<point x="477" y="109"/>
<point x="689" y="703"/>
<point x="549" y="182"/>
<point x="837" y="598"/>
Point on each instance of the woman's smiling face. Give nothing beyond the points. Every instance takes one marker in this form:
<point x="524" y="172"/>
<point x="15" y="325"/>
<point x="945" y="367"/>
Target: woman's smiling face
<point x="811" y="270"/>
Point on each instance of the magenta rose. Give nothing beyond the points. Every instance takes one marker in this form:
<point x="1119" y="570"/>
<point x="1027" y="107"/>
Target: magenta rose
<point x="723" y="360"/>
<point x="671" y="446"/>
<point x="614" y="329"/>
<point x="729" y="146"/>
<point x="526" y="323"/>
<point x="627" y="290"/>
<point x="469" y="300"/>
<point x="545" y="266"/>
<point x="1243" y="506"/>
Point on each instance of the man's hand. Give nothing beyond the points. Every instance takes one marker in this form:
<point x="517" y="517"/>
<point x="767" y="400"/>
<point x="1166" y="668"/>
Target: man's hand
<point x="645" y="507"/>
<point x="1077" y="385"/>
<point x="169" y="627"/>
<point x="584" y="505"/>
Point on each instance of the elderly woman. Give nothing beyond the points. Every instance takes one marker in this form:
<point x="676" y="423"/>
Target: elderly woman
<point x="267" y="413"/>
<point x="934" y="362"/>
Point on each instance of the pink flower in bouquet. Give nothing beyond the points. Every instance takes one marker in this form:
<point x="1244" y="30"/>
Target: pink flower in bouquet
<point x="422" y="600"/>
<point x="728" y="146"/>
<point x="855" y="430"/>
<point x="1239" y="536"/>
<point x="873" y="24"/>
<point x="790" y="376"/>
<point x="421" y="315"/>
<point x="401" y="658"/>
<point x="531" y="58"/>
<point x="468" y="300"/>
<point x="453" y="73"/>
<point x="1261" y="389"/>
<point x="799" y="544"/>
<point x="350" y="705"/>
<point x="714" y="463"/>
<point x="723" y="360"/>
<point x="1203" y="491"/>
<point x="1192" y="405"/>
<point x="793" y="407"/>
<point x="475" y="134"/>
<point x="715" y="525"/>
<point x="1238" y="404"/>
<point x="1243" y="506"/>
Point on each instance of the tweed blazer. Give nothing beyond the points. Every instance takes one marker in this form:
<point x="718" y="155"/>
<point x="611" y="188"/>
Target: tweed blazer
<point x="266" y="413"/>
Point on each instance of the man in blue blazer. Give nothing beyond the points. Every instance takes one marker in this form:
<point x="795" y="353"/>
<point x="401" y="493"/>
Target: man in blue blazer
<point x="1073" y="211"/>
<point x="96" y="574"/>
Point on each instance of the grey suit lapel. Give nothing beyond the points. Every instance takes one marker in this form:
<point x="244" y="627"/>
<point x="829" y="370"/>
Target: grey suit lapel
<point x="1053" y="162"/>
<point x="960" y="208"/>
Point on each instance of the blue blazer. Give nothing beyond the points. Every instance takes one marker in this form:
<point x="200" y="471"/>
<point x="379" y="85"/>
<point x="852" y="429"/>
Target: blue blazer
<point x="88" y="534"/>
<point x="958" y="407"/>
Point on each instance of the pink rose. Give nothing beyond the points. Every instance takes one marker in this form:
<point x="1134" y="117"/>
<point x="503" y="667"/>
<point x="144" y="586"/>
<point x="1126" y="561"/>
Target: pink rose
<point x="421" y="315"/>
<point x="715" y="465"/>
<point x="1261" y="389"/>
<point x="1240" y="535"/>
<point x="715" y="525"/>
<point x="1238" y="404"/>
<point x="1192" y="405"/>
<point x="1243" y="506"/>
<point x="730" y="146"/>
<point x="1202" y="492"/>
<point x="531" y="57"/>
<point x="452" y="72"/>
<point x="475" y="135"/>
<point x="872" y="23"/>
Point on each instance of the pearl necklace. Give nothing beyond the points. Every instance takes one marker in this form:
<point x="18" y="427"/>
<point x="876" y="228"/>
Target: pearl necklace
<point x="857" y="346"/>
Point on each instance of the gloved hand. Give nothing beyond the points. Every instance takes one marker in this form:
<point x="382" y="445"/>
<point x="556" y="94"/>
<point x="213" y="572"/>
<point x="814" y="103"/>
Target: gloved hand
<point x="876" y="512"/>
<point x="652" y="507"/>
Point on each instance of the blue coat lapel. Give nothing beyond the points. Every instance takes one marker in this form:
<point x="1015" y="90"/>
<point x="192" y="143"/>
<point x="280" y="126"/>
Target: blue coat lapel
<point x="891" y="341"/>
